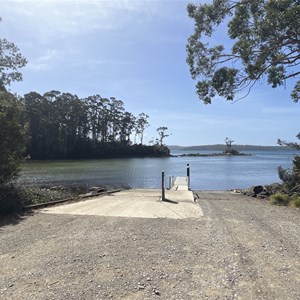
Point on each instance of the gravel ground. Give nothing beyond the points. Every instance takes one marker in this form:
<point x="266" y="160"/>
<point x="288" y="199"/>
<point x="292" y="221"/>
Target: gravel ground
<point x="242" y="248"/>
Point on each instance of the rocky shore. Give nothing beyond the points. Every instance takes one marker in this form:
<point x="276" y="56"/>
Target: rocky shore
<point x="262" y="191"/>
<point x="210" y="154"/>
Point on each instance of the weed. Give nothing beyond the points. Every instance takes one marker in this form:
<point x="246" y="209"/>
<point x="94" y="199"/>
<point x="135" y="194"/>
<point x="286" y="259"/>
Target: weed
<point x="280" y="199"/>
<point x="295" y="201"/>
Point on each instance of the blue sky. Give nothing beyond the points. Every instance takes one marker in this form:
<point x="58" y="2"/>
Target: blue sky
<point x="135" y="51"/>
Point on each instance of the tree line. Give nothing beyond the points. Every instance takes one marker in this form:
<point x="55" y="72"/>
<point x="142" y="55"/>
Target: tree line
<point x="62" y="125"/>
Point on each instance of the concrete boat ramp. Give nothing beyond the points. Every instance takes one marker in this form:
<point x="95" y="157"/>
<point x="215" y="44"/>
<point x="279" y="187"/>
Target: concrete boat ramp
<point x="138" y="203"/>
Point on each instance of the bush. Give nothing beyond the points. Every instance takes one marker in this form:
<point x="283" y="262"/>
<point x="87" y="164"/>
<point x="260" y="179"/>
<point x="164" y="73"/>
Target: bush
<point x="291" y="178"/>
<point x="295" y="201"/>
<point x="10" y="199"/>
<point x="14" y="198"/>
<point x="280" y="199"/>
<point x="12" y="136"/>
<point x="284" y="199"/>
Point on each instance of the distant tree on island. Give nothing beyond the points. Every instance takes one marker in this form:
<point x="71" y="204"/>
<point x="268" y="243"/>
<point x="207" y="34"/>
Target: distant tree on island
<point x="229" y="150"/>
<point x="265" y="37"/>
<point x="228" y="143"/>
<point x="162" y="134"/>
<point x="142" y="122"/>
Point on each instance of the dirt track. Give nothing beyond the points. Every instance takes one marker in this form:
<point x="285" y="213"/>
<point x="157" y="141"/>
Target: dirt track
<point x="242" y="248"/>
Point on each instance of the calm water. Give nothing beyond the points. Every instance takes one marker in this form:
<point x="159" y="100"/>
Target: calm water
<point x="207" y="173"/>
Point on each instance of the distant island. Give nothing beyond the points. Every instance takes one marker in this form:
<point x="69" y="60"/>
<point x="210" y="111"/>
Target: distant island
<point x="221" y="147"/>
<point x="212" y="154"/>
<point x="224" y="150"/>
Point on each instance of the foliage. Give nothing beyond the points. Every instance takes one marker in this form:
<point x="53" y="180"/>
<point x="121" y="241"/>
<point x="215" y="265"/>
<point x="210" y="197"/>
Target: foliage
<point x="228" y="143"/>
<point x="265" y="37"/>
<point x="15" y="198"/>
<point x="11" y="60"/>
<point x="229" y="150"/>
<point x="10" y="199"/>
<point x="63" y="126"/>
<point x="295" y="201"/>
<point x="142" y="122"/>
<point x="291" y="178"/>
<point x="12" y="136"/>
<point x="280" y="199"/>
<point x="284" y="199"/>
<point x="162" y="134"/>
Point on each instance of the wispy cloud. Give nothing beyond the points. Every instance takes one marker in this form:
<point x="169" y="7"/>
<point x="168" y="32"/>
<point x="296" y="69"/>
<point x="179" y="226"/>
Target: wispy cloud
<point x="56" y="17"/>
<point x="282" y="110"/>
<point x="46" y="61"/>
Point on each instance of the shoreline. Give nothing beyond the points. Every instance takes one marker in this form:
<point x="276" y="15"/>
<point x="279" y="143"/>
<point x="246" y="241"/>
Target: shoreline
<point x="211" y="154"/>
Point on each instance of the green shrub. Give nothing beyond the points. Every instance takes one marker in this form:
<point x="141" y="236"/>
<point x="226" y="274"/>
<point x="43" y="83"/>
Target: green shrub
<point x="14" y="198"/>
<point x="10" y="199"/>
<point x="295" y="201"/>
<point x="280" y="199"/>
<point x="12" y="136"/>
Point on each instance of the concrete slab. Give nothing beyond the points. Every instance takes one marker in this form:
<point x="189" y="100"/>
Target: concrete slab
<point x="136" y="203"/>
<point x="180" y="184"/>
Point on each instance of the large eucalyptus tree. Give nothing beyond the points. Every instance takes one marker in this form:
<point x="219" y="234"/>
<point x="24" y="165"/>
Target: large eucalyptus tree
<point x="265" y="43"/>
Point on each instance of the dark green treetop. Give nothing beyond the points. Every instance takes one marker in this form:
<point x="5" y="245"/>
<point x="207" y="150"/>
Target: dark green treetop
<point x="265" y="38"/>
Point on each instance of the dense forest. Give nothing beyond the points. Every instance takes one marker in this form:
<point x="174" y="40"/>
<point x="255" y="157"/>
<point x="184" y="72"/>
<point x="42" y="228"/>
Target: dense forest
<point x="63" y="126"/>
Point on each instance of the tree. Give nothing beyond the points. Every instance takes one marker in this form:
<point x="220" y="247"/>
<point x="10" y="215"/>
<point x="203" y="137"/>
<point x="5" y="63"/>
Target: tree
<point x="228" y="143"/>
<point x="12" y="136"/>
<point x="162" y="134"/>
<point x="229" y="150"/>
<point x="115" y="113"/>
<point x="266" y="43"/>
<point x="291" y="178"/>
<point x="11" y="60"/>
<point x="127" y="124"/>
<point x="141" y="124"/>
<point x="12" y="133"/>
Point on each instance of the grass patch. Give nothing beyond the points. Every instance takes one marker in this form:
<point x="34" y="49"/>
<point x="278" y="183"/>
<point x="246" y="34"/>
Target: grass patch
<point x="14" y="198"/>
<point x="295" y="201"/>
<point x="280" y="199"/>
<point x="285" y="200"/>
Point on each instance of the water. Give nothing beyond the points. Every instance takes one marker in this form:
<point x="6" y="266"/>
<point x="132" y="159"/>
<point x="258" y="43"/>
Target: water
<point x="207" y="173"/>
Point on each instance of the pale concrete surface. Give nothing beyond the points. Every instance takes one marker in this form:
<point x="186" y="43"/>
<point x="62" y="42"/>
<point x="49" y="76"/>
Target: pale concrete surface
<point x="135" y="203"/>
<point x="180" y="184"/>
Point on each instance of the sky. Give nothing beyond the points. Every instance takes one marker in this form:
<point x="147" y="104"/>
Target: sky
<point x="135" y="51"/>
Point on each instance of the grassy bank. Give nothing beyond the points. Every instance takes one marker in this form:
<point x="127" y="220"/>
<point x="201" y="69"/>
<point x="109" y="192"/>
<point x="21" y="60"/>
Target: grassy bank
<point x="15" y="198"/>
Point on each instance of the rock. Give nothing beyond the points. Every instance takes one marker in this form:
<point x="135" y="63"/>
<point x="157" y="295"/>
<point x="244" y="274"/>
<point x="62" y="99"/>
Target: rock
<point x="249" y="193"/>
<point x="86" y="195"/>
<point x="257" y="189"/>
<point x="264" y="194"/>
<point x="156" y="292"/>
<point x="96" y="189"/>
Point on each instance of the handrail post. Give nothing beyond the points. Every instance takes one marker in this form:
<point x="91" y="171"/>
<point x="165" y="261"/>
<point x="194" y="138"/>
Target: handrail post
<point x="188" y="175"/>
<point x="163" y="186"/>
<point x="171" y="182"/>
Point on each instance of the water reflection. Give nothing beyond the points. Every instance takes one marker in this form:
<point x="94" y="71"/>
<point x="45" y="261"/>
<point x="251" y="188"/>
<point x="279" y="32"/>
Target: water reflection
<point x="207" y="173"/>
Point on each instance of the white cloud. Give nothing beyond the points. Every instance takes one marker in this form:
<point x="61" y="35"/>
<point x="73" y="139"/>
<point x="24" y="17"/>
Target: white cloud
<point x="66" y="17"/>
<point x="46" y="61"/>
<point x="282" y="110"/>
